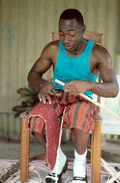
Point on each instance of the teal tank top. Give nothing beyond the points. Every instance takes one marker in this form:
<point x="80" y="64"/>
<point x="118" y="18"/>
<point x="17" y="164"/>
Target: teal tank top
<point x="68" y="68"/>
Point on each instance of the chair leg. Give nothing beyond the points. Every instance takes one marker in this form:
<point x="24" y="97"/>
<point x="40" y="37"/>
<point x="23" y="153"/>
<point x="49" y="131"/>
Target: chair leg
<point x="96" y="154"/>
<point x="24" y="166"/>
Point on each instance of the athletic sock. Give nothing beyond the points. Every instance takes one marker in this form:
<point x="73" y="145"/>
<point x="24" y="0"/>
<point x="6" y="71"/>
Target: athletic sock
<point x="60" y="162"/>
<point x="79" y="167"/>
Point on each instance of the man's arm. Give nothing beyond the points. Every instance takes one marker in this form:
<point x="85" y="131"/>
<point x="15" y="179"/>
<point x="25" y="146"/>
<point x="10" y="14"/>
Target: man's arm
<point x="108" y="87"/>
<point x="39" y="68"/>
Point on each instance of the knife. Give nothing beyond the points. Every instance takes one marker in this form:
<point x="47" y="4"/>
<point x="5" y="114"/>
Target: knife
<point x="53" y="88"/>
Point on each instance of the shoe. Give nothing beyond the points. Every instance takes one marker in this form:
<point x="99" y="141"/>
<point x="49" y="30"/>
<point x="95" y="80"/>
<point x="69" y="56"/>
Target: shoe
<point x="50" y="177"/>
<point x="77" y="179"/>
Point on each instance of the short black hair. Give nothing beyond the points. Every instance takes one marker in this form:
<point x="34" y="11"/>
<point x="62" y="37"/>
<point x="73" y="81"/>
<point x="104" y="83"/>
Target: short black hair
<point x="69" y="14"/>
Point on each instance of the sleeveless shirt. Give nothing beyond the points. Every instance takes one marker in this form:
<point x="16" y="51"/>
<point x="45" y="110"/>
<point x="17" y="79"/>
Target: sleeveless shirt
<point x="68" y="68"/>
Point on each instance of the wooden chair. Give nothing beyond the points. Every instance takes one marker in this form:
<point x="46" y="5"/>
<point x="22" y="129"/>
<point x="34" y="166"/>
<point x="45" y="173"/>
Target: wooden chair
<point x="96" y="135"/>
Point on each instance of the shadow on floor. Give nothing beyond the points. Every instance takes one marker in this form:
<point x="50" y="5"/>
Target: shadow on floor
<point x="12" y="150"/>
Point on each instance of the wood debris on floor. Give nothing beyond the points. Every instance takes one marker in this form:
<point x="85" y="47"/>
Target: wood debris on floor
<point x="39" y="170"/>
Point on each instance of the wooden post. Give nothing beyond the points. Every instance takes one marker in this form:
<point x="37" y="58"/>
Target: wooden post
<point x="24" y="165"/>
<point x="96" y="152"/>
<point x="96" y="141"/>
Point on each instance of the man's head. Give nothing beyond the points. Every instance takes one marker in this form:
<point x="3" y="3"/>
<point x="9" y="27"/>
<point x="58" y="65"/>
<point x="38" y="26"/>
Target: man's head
<point x="70" y="14"/>
<point x="71" y="29"/>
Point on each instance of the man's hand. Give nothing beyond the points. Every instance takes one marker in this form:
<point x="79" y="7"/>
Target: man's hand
<point x="77" y="86"/>
<point x="45" y="93"/>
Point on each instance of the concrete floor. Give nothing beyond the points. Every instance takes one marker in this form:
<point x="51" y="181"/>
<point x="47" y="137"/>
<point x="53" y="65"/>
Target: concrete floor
<point x="12" y="150"/>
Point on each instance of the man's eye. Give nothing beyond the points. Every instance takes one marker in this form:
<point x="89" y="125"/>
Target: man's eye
<point x="72" y="34"/>
<point x="61" y="34"/>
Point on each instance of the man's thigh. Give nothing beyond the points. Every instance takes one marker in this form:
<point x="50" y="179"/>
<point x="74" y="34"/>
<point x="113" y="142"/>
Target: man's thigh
<point x="41" y="116"/>
<point x="81" y="116"/>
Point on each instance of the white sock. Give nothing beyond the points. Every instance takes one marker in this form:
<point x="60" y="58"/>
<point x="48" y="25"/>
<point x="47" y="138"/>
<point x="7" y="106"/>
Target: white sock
<point x="79" y="168"/>
<point x="60" y="163"/>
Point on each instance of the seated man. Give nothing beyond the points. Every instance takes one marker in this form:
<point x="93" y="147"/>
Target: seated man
<point x="77" y="62"/>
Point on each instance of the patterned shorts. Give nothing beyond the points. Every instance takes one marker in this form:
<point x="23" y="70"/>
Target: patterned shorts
<point x="79" y="114"/>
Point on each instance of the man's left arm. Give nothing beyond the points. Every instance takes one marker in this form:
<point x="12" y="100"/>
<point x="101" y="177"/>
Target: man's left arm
<point x="109" y="86"/>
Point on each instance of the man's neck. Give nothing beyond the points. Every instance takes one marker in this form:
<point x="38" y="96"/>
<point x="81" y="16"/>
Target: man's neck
<point x="79" y="50"/>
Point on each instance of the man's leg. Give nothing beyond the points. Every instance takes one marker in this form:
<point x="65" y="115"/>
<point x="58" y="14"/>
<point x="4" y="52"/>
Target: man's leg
<point x="80" y="140"/>
<point x="41" y="138"/>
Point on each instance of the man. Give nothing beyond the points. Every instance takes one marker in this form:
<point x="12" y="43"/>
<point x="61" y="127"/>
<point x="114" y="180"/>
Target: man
<point x="77" y="62"/>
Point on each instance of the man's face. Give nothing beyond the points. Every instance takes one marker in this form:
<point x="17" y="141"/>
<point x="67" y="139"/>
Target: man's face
<point x="70" y="34"/>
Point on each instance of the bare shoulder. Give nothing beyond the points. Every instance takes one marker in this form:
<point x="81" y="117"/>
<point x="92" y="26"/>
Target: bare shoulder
<point x="102" y="55"/>
<point x="47" y="58"/>
<point x="51" y="48"/>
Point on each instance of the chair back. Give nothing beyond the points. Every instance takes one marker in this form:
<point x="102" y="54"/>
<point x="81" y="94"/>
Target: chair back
<point x="93" y="36"/>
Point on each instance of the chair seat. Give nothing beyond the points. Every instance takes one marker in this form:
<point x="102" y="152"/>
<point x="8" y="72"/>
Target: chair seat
<point x="98" y="118"/>
<point x="24" y="115"/>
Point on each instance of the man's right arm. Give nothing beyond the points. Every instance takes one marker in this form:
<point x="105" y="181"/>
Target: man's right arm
<point x="39" y="68"/>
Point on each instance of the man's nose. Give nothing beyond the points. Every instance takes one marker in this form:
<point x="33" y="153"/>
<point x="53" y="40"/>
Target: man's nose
<point x="66" y="39"/>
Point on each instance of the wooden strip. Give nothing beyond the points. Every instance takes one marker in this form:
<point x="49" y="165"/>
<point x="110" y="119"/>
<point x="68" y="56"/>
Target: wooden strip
<point x="91" y="100"/>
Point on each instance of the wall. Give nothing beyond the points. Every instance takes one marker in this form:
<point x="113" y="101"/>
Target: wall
<point x="25" y="26"/>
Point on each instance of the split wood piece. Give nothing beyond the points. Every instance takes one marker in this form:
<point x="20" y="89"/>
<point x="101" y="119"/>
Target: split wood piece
<point x="14" y="168"/>
<point x="14" y="179"/>
<point x="115" y="175"/>
<point x="115" y="178"/>
<point x="92" y="101"/>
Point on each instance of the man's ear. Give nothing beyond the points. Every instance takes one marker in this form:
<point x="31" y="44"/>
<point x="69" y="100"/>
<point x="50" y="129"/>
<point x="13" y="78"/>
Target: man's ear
<point x="83" y="28"/>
